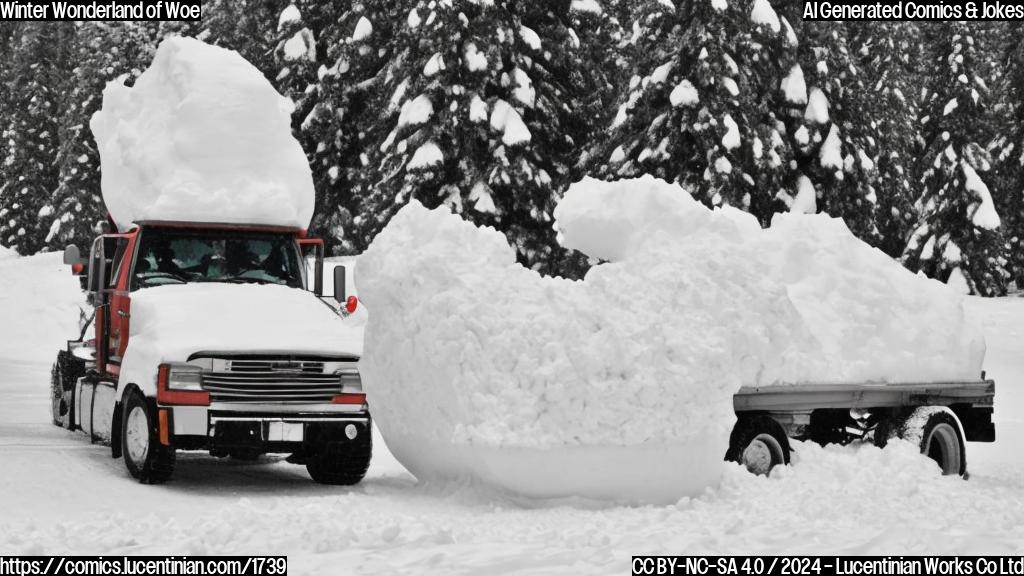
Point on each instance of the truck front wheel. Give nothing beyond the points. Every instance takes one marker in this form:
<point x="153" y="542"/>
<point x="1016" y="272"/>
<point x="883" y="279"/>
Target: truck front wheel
<point x="147" y="460"/>
<point x="342" y="462"/>
<point x="758" y="443"/>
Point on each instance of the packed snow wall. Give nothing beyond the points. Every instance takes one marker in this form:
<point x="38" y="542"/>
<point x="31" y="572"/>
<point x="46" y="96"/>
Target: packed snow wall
<point x="620" y="386"/>
<point x="202" y="136"/>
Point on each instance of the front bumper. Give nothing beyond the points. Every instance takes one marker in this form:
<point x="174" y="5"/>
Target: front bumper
<point x="265" y="428"/>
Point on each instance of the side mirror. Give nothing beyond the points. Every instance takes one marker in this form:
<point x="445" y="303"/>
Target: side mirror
<point x="339" y="284"/>
<point x="72" y="256"/>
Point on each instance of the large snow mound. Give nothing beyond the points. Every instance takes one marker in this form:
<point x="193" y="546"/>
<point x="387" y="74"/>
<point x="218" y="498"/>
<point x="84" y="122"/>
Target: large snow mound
<point x="169" y="323"/>
<point x="621" y="385"/>
<point x="202" y="136"/>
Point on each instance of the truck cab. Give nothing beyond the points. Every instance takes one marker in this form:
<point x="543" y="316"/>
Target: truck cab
<point x="197" y="339"/>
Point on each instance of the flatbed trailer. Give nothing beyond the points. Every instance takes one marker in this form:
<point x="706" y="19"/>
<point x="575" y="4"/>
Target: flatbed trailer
<point x="939" y="417"/>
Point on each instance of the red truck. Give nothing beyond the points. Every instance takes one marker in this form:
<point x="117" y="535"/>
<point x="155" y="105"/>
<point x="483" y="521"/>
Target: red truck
<point x="198" y="340"/>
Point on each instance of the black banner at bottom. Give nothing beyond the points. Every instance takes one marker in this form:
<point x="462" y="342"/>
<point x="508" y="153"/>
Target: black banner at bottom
<point x="143" y="565"/>
<point x="817" y="565"/>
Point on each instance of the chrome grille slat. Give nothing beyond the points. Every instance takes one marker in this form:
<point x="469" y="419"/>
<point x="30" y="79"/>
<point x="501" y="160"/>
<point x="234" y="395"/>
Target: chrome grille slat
<point x="274" y="380"/>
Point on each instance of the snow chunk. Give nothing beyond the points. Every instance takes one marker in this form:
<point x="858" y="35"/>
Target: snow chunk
<point x="202" y="136"/>
<point x="414" y="19"/>
<point x="763" y="14"/>
<point x="950" y="106"/>
<point x="731" y="138"/>
<point x="958" y="282"/>
<point x="806" y="201"/>
<point x="985" y="215"/>
<point x="530" y="37"/>
<point x="416" y="111"/>
<point x="288" y="15"/>
<point x="684" y="94"/>
<point x="475" y="60"/>
<point x="477" y="109"/>
<point x="523" y="91"/>
<point x="363" y="30"/>
<point x="426" y="156"/>
<point x="590" y="6"/>
<point x="434" y="65"/>
<point x="719" y="5"/>
<point x="817" y="107"/>
<point x="505" y="119"/>
<point x="794" y="86"/>
<point x="455" y="317"/>
<point x="730" y="85"/>
<point x="301" y="46"/>
<point x="831" y="150"/>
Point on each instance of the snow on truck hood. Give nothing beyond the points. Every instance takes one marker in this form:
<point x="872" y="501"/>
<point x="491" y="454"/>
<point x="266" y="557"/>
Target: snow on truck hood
<point x="169" y="323"/>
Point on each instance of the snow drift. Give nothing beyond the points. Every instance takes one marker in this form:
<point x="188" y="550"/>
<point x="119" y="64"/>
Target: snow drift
<point x="202" y="136"/>
<point x="169" y="323"/>
<point x="620" y="386"/>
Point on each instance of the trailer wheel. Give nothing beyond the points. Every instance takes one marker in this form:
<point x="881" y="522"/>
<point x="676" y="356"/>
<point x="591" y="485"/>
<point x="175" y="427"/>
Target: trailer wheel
<point x="935" y="430"/>
<point x="341" y="462"/>
<point x="65" y="373"/>
<point x="758" y="443"/>
<point x="147" y="460"/>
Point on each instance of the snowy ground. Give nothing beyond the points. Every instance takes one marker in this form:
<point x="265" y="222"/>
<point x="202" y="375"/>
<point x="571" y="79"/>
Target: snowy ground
<point x="59" y="494"/>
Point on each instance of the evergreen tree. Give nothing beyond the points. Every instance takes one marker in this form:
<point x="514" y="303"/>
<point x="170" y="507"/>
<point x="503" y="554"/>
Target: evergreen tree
<point x="958" y="237"/>
<point x="889" y="55"/>
<point x="481" y="110"/>
<point x="103" y="52"/>
<point x="708" y="112"/>
<point x="835" y="142"/>
<point x="38" y="80"/>
<point x="348" y="119"/>
<point x="1010" y="150"/>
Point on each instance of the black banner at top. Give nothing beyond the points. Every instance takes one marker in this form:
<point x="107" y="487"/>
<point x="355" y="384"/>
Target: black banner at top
<point x="83" y="10"/>
<point x="919" y="10"/>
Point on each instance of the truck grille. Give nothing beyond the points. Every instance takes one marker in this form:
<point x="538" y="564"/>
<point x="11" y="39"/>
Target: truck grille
<point x="273" y="380"/>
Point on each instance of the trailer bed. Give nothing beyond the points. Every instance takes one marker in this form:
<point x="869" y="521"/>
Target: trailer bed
<point x="803" y="397"/>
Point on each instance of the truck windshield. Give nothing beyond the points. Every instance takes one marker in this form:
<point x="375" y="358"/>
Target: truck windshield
<point x="182" y="255"/>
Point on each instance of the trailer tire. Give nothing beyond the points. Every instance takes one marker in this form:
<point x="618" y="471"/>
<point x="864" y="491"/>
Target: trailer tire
<point x="63" y="376"/>
<point x="341" y="462"/>
<point x="936" y="432"/>
<point x="758" y="443"/>
<point x="147" y="460"/>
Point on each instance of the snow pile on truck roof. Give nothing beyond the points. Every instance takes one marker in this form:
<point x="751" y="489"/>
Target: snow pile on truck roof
<point x="621" y="385"/>
<point x="202" y="136"/>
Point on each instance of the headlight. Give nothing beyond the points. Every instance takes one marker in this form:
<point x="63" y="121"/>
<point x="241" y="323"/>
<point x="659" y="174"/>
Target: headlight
<point x="184" y="377"/>
<point x="351" y="382"/>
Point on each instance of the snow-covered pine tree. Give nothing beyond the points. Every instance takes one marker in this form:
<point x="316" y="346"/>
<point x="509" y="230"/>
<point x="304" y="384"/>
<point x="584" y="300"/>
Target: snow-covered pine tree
<point x="348" y="119"/>
<point x="295" y="56"/>
<point x="481" y="109"/>
<point x="246" y="26"/>
<point x="834" y="140"/>
<point x="37" y="86"/>
<point x="704" y="110"/>
<point x="958" y="236"/>
<point x="104" y="51"/>
<point x="889" y="56"/>
<point x="1009" y="148"/>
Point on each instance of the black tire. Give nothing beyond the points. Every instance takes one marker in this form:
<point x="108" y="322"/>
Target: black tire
<point x="758" y="443"/>
<point x="935" y="431"/>
<point x="63" y="376"/>
<point x="147" y="460"/>
<point x="342" y="462"/>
